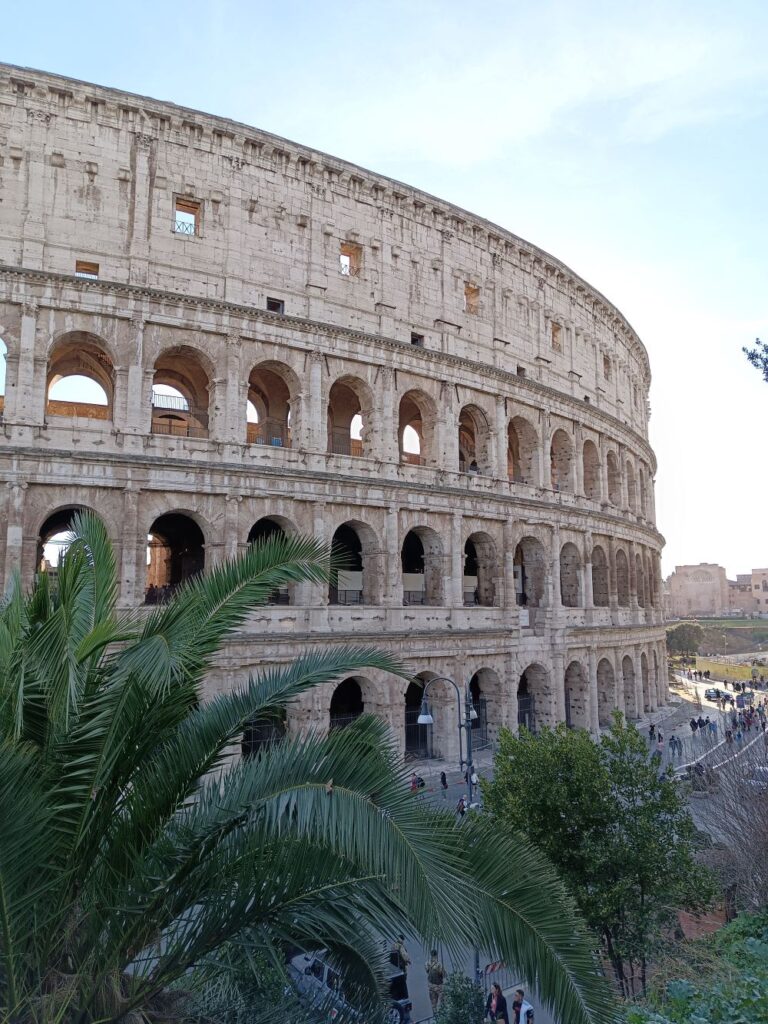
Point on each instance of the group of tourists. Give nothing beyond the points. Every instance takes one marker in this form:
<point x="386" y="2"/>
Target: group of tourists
<point x="744" y="721"/>
<point x="496" y="1007"/>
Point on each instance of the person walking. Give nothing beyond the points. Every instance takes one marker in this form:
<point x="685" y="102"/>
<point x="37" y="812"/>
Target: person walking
<point x="398" y="955"/>
<point x="496" y="1004"/>
<point x="435" y="980"/>
<point x="444" y="785"/>
<point x="660" y="746"/>
<point x="461" y="807"/>
<point x="651" y="733"/>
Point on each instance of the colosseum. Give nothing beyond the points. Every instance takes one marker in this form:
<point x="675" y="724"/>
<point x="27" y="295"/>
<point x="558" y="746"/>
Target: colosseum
<point x="267" y="338"/>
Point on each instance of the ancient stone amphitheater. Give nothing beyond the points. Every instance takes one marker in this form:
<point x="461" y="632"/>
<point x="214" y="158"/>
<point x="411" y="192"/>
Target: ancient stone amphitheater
<point x="213" y="333"/>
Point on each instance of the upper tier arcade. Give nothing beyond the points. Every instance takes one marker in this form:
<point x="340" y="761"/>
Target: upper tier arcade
<point x="148" y="194"/>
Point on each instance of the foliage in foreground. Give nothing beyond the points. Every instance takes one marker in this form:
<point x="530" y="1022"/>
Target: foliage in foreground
<point x="758" y="357"/>
<point x="462" y="1001"/>
<point x="133" y="849"/>
<point x="722" y="979"/>
<point x="614" y="826"/>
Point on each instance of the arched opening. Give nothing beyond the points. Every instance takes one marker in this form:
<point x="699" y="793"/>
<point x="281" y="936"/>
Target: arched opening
<point x="421" y="557"/>
<point x="576" y="696"/>
<point x="479" y="696"/>
<point x="346" y="703"/>
<point x="351" y="584"/>
<point x="643" y="494"/>
<point x="80" y="379"/>
<point x="600" y="578"/>
<point x="657" y="688"/>
<point x="180" y="394"/>
<point x="262" y="733"/>
<point x="648" y="701"/>
<point x="529" y="567"/>
<point x="606" y="691"/>
<point x="175" y="554"/>
<point x="650" y="583"/>
<point x="262" y="530"/>
<point x="473" y="440"/>
<point x="479" y="569"/>
<point x="631" y="488"/>
<point x="418" y="738"/>
<point x="614" y="479"/>
<point x="534" y="699"/>
<point x="561" y="462"/>
<point x="640" y="580"/>
<point x="522" y="444"/>
<point x="269" y="409"/>
<point x="416" y="428"/>
<point x="3" y="367"/>
<point x="54" y="538"/>
<point x="630" y="696"/>
<point x="622" y="579"/>
<point x="349" y="409"/>
<point x="570" y="576"/>
<point x="592" y="476"/>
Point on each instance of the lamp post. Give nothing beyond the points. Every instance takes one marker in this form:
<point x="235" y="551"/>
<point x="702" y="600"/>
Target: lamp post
<point x="464" y="724"/>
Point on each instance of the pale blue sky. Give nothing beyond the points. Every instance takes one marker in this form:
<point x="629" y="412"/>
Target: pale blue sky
<point x="629" y="140"/>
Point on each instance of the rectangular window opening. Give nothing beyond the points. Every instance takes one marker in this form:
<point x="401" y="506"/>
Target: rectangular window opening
<point x="275" y="305"/>
<point x="606" y="367"/>
<point x="417" y="339"/>
<point x="186" y="216"/>
<point x="521" y="371"/>
<point x="84" y="268"/>
<point x="471" y="299"/>
<point x="557" y="337"/>
<point x="350" y="259"/>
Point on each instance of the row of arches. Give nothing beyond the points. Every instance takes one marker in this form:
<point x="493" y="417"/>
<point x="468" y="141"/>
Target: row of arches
<point x="540" y="699"/>
<point x="176" y="547"/>
<point x="82" y="381"/>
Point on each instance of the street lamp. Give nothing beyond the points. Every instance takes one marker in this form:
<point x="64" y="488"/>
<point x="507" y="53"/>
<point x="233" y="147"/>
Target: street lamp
<point x="464" y="723"/>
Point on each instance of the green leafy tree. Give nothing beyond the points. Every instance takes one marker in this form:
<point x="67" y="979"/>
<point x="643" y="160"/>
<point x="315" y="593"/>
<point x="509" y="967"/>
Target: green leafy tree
<point x="133" y="849"/>
<point x="685" y="638"/>
<point x="462" y="1002"/>
<point x="758" y="356"/>
<point x="613" y="825"/>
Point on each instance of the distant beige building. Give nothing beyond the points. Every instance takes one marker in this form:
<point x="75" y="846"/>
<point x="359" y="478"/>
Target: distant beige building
<point x="760" y="592"/>
<point x="697" y="590"/>
<point x="740" y="599"/>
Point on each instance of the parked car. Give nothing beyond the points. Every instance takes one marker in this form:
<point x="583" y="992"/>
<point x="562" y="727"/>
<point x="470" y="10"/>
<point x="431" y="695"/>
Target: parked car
<point x="321" y="984"/>
<point x="712" y="693"/>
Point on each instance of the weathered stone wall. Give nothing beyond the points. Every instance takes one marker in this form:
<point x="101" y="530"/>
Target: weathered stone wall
<point x="528" y="391"/>
<point x="698" y="590"/>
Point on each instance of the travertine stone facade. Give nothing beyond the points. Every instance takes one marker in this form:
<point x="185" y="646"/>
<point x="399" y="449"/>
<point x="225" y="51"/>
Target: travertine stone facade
<point x="342" y="355"/>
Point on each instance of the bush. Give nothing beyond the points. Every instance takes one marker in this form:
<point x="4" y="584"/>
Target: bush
<point x="462" y="1002"/>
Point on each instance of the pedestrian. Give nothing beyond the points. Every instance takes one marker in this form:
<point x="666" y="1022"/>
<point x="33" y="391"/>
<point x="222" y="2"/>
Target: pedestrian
<point x="414" y="782"/>
<point x="765" y="744"/>
<point x="461" y="807"/>
<point x="444" y="785"/>
<point x="701" y="723"/>
<point x="398" y="955"/>
<point x="739" y="737"/>
<point x="694" y="726"/>
<point x="660" y="746"/>
<point x="435" y="980"/>
<point x="517" y="1005"/>
<point x="713" y="730"/>
<point x="651" y="732"/>
<point x="496" y="1004"/>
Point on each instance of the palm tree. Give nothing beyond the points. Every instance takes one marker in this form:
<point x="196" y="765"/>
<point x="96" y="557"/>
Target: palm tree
<point x="133" y="847"/>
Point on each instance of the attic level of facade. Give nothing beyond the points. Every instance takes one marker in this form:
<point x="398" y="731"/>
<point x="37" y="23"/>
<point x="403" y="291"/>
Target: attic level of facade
<point x="45" y="96"/>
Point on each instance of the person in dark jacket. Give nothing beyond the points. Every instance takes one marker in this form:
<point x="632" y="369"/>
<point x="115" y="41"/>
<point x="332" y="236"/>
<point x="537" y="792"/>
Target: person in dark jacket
<point x="496" y="1005"/>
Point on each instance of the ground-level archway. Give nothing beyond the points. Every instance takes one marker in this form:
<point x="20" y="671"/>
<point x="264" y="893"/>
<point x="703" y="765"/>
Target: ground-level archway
<point x="606" y="691"/>
<point x="535" y="699"/>
<point x="346" y="703"/>
<point x="576" y="685"/>
<point x="628" y="679"/>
